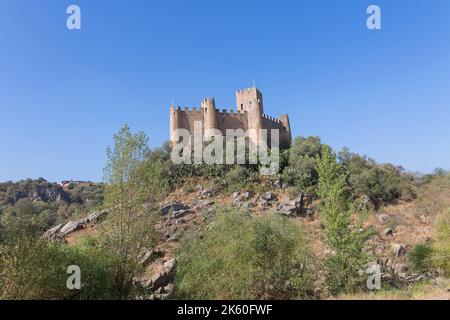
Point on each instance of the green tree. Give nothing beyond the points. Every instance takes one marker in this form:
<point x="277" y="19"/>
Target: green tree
<point x="133" y="185"/>
<point x="301" y="172"/>
<point x="345" y="236"/>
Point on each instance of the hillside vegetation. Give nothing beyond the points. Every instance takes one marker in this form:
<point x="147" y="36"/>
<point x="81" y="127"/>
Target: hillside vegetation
<point x="162" y="231"/>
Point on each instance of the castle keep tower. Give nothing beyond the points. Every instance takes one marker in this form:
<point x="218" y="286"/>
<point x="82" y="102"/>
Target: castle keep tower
<point x="250" y="101"/>
<point x="249" y="115"/>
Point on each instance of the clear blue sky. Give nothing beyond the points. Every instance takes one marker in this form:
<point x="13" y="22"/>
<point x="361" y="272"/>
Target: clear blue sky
<point x="63" y="94"/>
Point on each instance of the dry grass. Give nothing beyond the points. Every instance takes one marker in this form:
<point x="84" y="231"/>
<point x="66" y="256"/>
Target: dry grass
<point x="421" y="291"/>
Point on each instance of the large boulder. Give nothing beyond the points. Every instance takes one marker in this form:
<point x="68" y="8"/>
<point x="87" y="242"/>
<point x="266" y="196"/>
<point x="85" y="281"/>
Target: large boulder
<point x="400" y="270"/>
<point x="72" y="226"/>
<point x="398" y="249"/>
<point x="97" y="216"/>
<point x="277" y="184"/>
<point x="169" y="266"/>
<point x="287" y="210"/>
<point x="53" y="232"/>
<point x="158" y="280"/>
<point x="388" y="232"/>
<point x="162" y="278"/>
<point x="364" y="202"/>
<point x="384" y="218"/>
<point x="176" y="209"/>
<point x="268" y="196"/>
<point x="201" y="203"/>
<point x="246" y="195"/>
<point x="291" y="208"/>
<point x="146" y="256"/>
<point x="206" y="193"/>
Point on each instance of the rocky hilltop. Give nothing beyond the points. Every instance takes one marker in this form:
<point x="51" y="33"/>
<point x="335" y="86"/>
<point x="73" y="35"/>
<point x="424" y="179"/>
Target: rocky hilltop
<point x="188" y="210"/>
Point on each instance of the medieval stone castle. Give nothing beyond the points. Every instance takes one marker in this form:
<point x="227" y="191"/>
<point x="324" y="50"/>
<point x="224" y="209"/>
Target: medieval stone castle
<point x="249" y="114"/>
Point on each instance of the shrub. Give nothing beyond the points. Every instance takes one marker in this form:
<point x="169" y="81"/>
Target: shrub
<point x="346" y="239"/>
<point x="25" y="218"/>
<point x="301" y="171"/>
<point x="441" y="247"/>
<point x="36" y="269"/>
<point x="242" y="257"/>
<point x="380" y="182"/>
<point x="239" y="178"/>
<point x="303" y="177"/>
<point x="419" y="257"/>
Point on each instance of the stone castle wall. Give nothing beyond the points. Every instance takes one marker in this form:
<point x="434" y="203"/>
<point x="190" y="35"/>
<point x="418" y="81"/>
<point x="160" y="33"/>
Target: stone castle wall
<point x="249" y="115"/>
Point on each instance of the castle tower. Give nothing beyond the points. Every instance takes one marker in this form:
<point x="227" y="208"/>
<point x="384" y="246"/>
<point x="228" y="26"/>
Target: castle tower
<point x="209" y="115"/>
<point x="174" y="124"/>
<point x="284" y="118"/>
<point x="248" y="99"/>
<point x="287" y="139"/>
<point x="251" y="101"/>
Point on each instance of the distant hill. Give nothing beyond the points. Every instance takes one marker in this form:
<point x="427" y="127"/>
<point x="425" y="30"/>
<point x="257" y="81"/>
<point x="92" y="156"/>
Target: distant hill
<point x="53" y="201"/>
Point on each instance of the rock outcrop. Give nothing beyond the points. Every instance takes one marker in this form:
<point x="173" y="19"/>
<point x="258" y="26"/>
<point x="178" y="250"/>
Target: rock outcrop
<point x="63" y="230"/>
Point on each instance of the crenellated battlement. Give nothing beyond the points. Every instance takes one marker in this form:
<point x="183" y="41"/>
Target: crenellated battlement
<point x="275" y="120"/>
<point x="208" y="101"/>
<point x="186" y="109"/>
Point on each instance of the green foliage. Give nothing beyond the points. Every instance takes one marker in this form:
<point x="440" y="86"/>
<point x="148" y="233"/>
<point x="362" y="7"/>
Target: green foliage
<point x="31" y="206"/>
<point x="25" y="218"/>
<point x="310" y="147"/>
<point x="239" y="178"/>
<point x="90" y="196"/>
<point x="346" y="238"/>
<point x="419" y="257"/>
<point x="242" y="257"/>
<point x="440" y="258"/>
<point x="39" y="189"/>
<point x="33" y="268"/>
<point x="301" y="172"/>
<point x="134" y="184"/>
<point x="180" y="173"/>
<point x="381" y="183"/>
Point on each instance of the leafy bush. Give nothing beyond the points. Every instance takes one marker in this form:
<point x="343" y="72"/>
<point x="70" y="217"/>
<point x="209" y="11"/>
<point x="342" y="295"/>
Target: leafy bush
<point x="242" y="257"/>
<point x="36" y="269"/>
<point x="301" y="171"/>
<point x="240" y="178"/>
<point x="419" y="257"/>
<point x="381" y="183"/>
